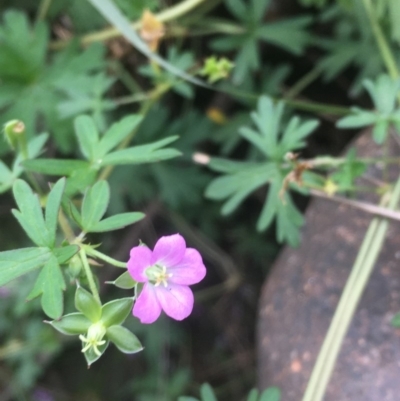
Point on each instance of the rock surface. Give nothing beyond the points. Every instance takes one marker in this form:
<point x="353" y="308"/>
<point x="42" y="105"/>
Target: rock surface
<point x="300" y="295"/>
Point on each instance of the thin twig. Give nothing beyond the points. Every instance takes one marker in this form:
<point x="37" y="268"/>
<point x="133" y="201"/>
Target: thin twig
<point x="365" y="207"/>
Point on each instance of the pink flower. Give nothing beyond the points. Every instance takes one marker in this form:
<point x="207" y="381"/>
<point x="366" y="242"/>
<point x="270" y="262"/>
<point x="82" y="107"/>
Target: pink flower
<point x="167" y="271"/>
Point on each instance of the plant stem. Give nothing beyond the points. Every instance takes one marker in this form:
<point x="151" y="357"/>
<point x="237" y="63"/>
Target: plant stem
<point x="92" y="252"/>
<point x="89" y="275"/>
<point x="169" y="14"/>
<point x="348" y="302"/>
<point x="303" y="82"/>
<point x="384" y="48"/>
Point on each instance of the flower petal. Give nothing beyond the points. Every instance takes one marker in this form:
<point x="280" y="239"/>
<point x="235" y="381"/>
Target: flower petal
<point x="190" y="270"/>
<point x="176" y="300"/>
<point x="169" y="250"/>
<point x="139" y="261"/>
<point x="147" y="308"/>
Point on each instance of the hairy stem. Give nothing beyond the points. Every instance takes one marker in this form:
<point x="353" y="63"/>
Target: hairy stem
<point x="92" y="252"/>
<point x="89" y="275"/>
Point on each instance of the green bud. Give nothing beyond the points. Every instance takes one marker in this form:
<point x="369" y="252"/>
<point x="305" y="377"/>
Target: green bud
<point x="14" y="131"/>
<point x="75" y="266"/>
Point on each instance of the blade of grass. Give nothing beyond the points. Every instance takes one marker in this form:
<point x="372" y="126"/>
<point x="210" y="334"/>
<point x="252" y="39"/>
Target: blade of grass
<point x="112" y="14"/>
<point x="348" y="302"/>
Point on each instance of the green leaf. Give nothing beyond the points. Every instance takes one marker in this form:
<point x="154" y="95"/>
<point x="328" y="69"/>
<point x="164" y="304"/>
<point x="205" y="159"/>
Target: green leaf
<point x="65" y="253"/>
<point x="253" y="395"/>
<point x="271" y="394"/>
<point x="124" y="340"/>
<point x="207" y="393"/>
<point x="72" y="324"/>
<point x="185" y="398"/>
<point x="88" y="136"/>
<point x="396" y="320"/>
<point x="358" y="119"/>
<point x="52" y="208"/>
<point x="124" y="281"/>
<point x="289" y="34"/>
<point x="80" y="179"/>
<point x="50" y="284"/>
<point x="115" y="312"/>
<point x="6" y="178"/>
<point x="55" y="166"/>
<point x="18" y="262"/>
<point x="380" y="131"/>
<point x="116" y="222"/>
<point x="149" y="153"/>
<point x="95" y="204"/>
<point x="117" y="133"/>
<point x="30" y="215"/>
<point x="87" y="304"/>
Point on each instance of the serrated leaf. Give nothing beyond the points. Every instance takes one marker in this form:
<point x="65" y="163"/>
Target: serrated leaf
<point x="115" y="312"/>
<point x="116" y="222"/>
<point x="95" y="204"/>
<point x="50" y="285"/>
<point x="52" y="208"/>
<point x="30" y="215"/>
<point x="72" y="324"/>
<point x="124" y="340"/>
<point x="149" y="153"/>
<point x="18" y="262"/>
<point x="55" y="166"/>
<point x="88" y="136"/>
<point x="87" y="304"/>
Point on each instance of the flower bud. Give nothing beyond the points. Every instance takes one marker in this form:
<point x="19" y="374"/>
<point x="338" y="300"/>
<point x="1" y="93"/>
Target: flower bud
<point x="75" y="266"/>
<point x="14" y="130"/>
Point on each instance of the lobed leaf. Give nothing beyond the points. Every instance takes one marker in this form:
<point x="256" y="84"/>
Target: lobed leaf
<point x="16" y="263"/>
<point x="50" y="285"/>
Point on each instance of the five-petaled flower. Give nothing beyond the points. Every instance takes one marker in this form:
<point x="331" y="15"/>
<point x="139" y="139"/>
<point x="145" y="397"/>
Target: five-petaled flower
<point x="166" y="272"/>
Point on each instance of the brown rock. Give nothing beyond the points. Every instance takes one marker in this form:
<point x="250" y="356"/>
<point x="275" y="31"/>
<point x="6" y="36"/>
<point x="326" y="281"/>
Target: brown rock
<point x="300" y="295"/>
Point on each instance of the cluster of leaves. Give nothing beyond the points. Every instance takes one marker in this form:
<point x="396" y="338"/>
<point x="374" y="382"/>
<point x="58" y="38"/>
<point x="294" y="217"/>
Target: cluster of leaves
<point x="207" y="394"/>
<point x="384" y="94"/>
<point x="288" y="34"/>
<point x="33" y="85"/>
<point x="50" y="257"/>
<point x="352" y="44"/>
<point x="240" y="179"/>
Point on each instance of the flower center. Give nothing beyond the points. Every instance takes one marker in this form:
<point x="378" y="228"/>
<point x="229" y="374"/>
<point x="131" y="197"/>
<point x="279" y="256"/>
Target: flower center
<point x="94" y="338"/>
<point x="157" y="274"/>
